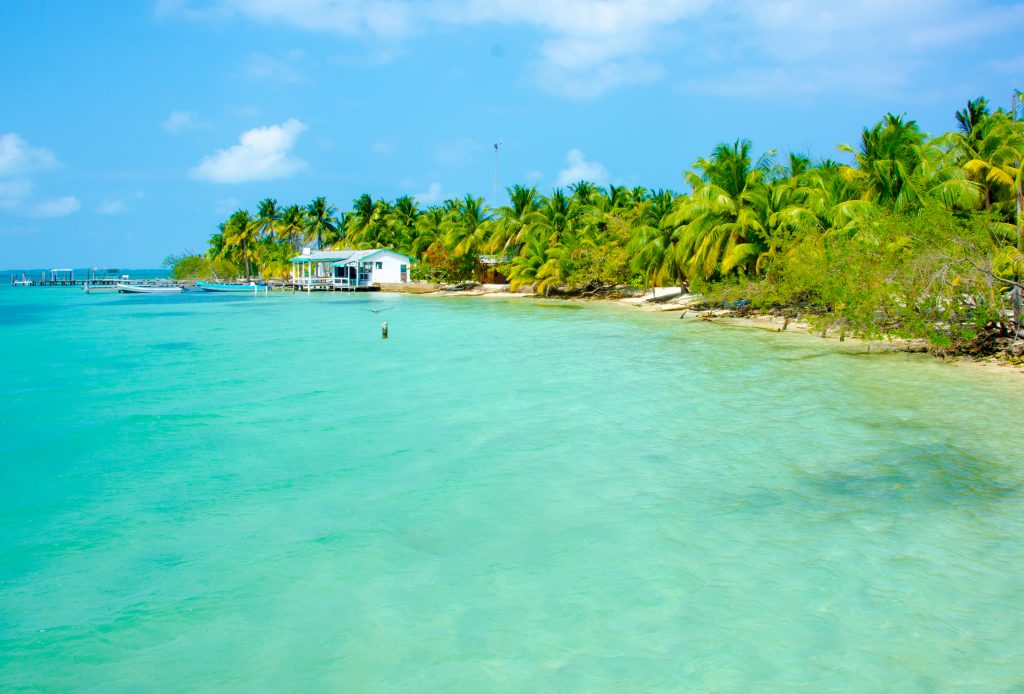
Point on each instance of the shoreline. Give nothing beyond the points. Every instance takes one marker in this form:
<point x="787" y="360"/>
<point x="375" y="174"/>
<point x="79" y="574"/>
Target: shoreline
<point x="672" y="301"/>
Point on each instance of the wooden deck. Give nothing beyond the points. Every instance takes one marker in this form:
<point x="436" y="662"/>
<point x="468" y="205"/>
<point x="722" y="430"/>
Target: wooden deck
<point x="45" y="281"/>
<point x="326" y="284"/>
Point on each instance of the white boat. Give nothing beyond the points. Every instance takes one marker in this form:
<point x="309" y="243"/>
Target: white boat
<point x="150" y="289"/>
<point x="250" y="288"/>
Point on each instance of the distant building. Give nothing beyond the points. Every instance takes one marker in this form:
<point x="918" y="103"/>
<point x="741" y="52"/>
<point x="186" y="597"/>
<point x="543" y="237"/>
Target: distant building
<point x="349" y="270"/>
<point x="487" y="270"/>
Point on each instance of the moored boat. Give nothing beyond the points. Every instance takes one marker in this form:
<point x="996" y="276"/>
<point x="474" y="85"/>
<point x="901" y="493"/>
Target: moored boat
<point x="150" y="289"/>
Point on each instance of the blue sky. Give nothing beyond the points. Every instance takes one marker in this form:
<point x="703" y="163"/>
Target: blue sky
<point x="128" y="130"/>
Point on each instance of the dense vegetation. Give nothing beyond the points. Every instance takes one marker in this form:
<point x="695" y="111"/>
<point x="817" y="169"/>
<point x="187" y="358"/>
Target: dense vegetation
<point x="916" y="235"/>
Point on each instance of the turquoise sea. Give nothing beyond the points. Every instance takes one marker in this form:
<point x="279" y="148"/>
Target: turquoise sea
<point x="205" y="493"/>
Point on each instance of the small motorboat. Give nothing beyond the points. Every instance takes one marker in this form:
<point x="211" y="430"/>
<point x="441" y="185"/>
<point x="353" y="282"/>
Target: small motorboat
<point x="250" y="288"/>
<point x="149" y="289"/>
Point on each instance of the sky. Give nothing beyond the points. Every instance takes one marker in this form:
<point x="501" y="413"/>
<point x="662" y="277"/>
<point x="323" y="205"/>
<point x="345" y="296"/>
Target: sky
<point x="130" y="129"/>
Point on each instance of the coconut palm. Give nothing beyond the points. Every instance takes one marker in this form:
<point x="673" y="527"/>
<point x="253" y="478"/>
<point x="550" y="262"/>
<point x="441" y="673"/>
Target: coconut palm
<point x="887" y="161"/>
<point x="466" y="227"/>
<point x="292" y="225"/>
<point x="401" y="224"/>
<point x="320" y="222"/>
<point x="241" y="232"/>
<point x="538" y="264"/>
<point x="268" y="215"/>
<point x="428" y="230"/>
<point x="512" y="221"/>
<point x="363" y="220"/>
<point x="721" y="224"/>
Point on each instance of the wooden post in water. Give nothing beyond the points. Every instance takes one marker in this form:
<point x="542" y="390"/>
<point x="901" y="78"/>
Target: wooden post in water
<point x="384" y="330"/>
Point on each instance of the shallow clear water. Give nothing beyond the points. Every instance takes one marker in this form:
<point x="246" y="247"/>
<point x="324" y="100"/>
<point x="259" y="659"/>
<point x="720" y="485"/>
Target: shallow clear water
<point x="210" y="493"/>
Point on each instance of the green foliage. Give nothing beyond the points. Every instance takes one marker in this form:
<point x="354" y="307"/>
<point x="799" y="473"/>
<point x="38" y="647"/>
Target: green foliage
<point x="926" y="276"/>
<point x="603" y="265"/>
<point x="440" y="265"/>
<point x="188" y="266"/>
<point x="914" y="235"/>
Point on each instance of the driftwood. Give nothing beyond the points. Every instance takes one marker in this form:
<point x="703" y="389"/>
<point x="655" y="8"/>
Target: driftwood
<point x="459" y="287"/>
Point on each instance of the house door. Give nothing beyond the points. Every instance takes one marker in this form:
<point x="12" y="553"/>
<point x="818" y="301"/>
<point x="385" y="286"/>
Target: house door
<point x="404" y="273"/>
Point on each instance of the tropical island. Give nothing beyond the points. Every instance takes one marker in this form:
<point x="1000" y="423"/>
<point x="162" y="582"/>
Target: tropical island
<point x="916" y="236"/>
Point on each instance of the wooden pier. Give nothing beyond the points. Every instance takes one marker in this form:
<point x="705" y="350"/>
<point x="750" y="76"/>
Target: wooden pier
<point x="65" y="277"/>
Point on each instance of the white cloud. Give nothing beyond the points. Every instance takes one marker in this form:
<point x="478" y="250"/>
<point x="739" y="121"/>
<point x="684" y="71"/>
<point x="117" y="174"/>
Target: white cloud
<point x="262" y="154"/>
<point x="262" y="67"/>
<point x="588" y="47"/>
<point x="590" y="83"/>
<point x="13" y="191"/>
<point x="57" y="207"/>
<point x="579" y="168"/>
<point x="432" y="196"/>
<point x="18" y="157"/>
<point x="383" y="147"/>
<point x="116" y="204"/>
<point x="181" y="120"/>
<point x="111" y="207"/>
<point x="534" y="176"/>
<point x="786" y="48"/>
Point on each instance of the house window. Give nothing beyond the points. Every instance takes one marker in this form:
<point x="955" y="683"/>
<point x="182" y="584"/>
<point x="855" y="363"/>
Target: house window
<point x="379" y="266"/>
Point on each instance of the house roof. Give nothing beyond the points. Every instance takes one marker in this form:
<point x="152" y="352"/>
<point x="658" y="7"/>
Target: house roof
<point x="342" y="257"/>
<point x="363" y="255"/>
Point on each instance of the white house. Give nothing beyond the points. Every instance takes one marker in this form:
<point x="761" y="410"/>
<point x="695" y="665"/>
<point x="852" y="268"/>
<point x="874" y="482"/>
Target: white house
<point x="347" y="269"/>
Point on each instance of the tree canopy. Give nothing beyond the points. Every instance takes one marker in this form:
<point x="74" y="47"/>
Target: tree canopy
<point x="743" y="219"/>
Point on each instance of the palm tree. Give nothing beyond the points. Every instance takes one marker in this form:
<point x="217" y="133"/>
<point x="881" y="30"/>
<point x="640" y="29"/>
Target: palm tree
<point x="539" y="264"/>
<point x="721" y="225"/>
<point x="292" y="225"/>
<point x="556" y="216"/>
<point x="428" y="230"/>
<point x="887" y="160"/>
<point x="991" y="156"/>
<point x="241" y="232"/>
<point x="512" y="221"/>
<point x="584" y="192"/>
<point x="268" y="215"/>
<point x="218" y="247"/>
<point x="366" y="214"/>
<point x="971" y="118"/>
<point x="320" y="221"/>
<point x="467" y="227"/>
<point x="400" y="223"/>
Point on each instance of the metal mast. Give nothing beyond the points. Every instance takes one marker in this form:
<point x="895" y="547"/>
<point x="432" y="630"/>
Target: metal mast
<point x="497" y="145"/>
